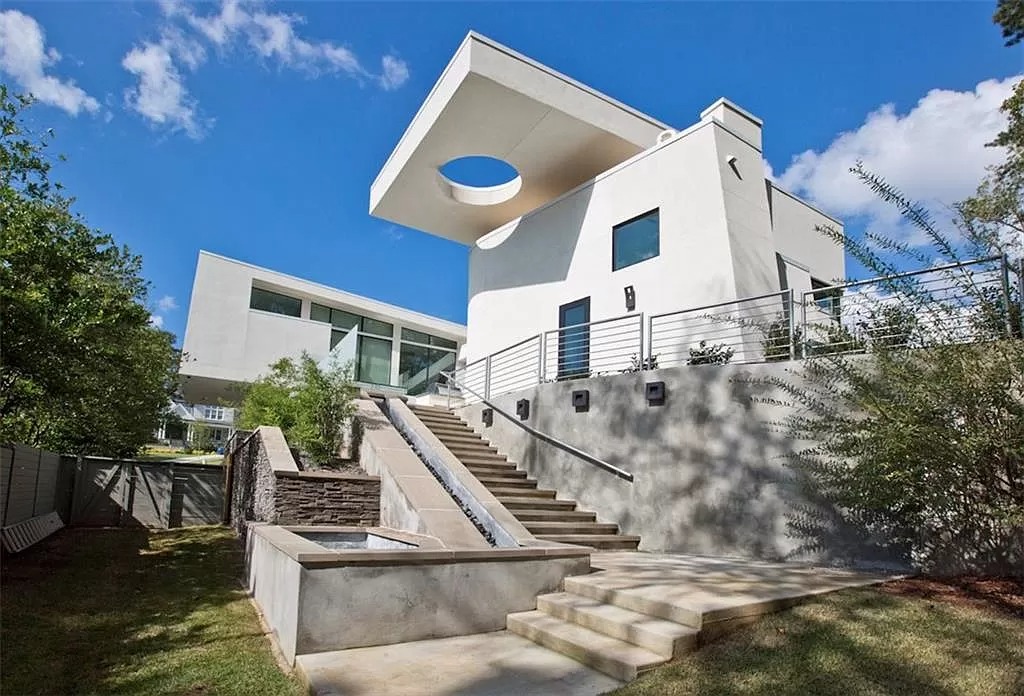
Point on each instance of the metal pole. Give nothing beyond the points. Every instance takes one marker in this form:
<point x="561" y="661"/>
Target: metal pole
<point x="650" y="341"/>
<point x="541" y="357"/>
<point x="640" y="352"/>
<point x="1004" y="264"/>
<point x="487" y="377"/>
<point x="10" y="478"/>
<point x="803" y="326"/>
<point x="791" y="311"/>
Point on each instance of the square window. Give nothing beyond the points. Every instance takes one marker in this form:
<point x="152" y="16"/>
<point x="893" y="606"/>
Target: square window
<point x="827" y="298"/>
<point x="635" y="240"/>
<point x="378" y="328"/>
<point x="318" y="312"/>
<point x="346" y="321"/>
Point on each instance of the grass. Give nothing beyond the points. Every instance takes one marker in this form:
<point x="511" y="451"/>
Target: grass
<point x="133" y="611"/>
<point x="856" y="642"/>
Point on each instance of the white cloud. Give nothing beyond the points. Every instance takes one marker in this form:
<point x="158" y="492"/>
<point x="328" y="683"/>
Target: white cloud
<point x="156" y="320"/>
<point x="161" y="96"/>
<point x="394" y="72"/>
<point x="24" y="56"/>
<point x="166" y="303"/>
<point x="237" y="24"/>
<point x="935" y="154"/>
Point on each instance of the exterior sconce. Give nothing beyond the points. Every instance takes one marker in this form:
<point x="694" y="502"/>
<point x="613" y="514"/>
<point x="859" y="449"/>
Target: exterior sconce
<point x="581" y="400"/>
<point x="655" y="393"/>
<point x="630" y="298"/>
<point x="487" y="416"/>
<point x="523" y="409"/>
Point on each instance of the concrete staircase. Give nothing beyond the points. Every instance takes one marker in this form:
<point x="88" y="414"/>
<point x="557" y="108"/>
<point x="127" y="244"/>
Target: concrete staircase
<point x="540" y="512"/>
<point x="598" y="632"/>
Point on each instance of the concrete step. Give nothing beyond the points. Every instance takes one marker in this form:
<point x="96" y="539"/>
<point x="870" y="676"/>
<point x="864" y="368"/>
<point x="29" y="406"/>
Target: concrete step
<point x="596" y="541"/>
<point x="486" y="459"/>
<point x="633" y="599"/>
<point x="463" y="438"/>
<point x="499" y="491"/>
<point x="563" y="527"/>
<point x="454" y="430"/>
<point x="492" y="482"/>
<point x="470" y="449"/>
<point x="525" y="516"/>
<point x="433" y="414"/>
<point x="496" y="475"/>
<point x="515" y="502"/>
<point x="612" y="656"/>
<point x="666" y="638"/>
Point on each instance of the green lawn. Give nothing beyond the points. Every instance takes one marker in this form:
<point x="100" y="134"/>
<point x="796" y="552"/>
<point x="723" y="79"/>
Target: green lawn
<point x="856" y="642"/>
<point x="133" y="612"/>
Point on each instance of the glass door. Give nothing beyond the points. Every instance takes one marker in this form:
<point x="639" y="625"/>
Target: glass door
<point x="574" y="339"/>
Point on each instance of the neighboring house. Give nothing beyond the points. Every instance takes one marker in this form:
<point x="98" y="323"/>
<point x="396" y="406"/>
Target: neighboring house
<point x="612" y="211"/>
<point x="242" y="318"/>
<point x="218" y="420"/>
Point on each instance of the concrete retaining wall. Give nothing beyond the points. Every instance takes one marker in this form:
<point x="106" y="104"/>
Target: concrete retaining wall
<point x="708" y="477"/>
<point x="314" y="497"/>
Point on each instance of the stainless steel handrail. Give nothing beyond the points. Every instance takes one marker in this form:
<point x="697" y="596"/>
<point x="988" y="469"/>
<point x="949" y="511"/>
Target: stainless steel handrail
<point x="550" y="439"/>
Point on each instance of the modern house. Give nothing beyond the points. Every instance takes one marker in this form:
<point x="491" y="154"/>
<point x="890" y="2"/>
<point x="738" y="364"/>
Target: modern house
<point x="242" y="318"/>
<point x="610" y="211"/>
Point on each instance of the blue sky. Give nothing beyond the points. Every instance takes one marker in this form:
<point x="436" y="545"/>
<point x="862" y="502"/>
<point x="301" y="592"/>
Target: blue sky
<point x="254" y="131"/>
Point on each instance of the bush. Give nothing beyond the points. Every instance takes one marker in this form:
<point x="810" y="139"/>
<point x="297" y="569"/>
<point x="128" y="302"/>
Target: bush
<point x="715" y="354"/>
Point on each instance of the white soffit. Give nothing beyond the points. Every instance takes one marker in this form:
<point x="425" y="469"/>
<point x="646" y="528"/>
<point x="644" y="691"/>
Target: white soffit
<point x="493" y="101"/>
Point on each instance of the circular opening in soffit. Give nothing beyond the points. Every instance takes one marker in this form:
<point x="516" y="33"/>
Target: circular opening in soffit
<point x="480" y="180"/>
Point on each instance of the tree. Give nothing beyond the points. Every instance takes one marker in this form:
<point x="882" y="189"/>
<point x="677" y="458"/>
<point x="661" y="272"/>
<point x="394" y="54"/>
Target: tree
<point x="81" y="368"/>
<point x="1010" y="16"/>
<point x="311" y="405"/>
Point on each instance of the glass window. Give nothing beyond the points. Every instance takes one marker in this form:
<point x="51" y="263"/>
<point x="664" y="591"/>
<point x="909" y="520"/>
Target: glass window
<point x="346" y="321"/>
<point x="374" y="360"/>
<point x="213" y="413"/>
<point x="378" y="328"/>
<point x="828" y="297"/>
<point x="336" y="337"/>
<point x="275" y="302"/>
<point x="420" y="366"/>
<point x="427" y="339"/>
<point x="635" y="240"/>
<point x="317" y="312"/>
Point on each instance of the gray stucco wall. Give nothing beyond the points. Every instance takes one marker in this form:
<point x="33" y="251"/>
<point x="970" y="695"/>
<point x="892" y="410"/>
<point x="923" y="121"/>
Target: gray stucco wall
<point x="708" y="476"/>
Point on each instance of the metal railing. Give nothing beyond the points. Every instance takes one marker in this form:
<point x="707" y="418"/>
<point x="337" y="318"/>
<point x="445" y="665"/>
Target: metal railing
<point x="955" y="303"/>
<point x="550" y="439"/>
<point x="753" y="329"/>
<point x="960" y="302"/>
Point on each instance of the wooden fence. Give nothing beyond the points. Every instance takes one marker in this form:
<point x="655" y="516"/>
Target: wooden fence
<point x="101" y="492"/>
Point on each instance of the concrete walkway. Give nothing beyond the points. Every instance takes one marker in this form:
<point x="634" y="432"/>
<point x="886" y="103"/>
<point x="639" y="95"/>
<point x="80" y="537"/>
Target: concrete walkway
<point x="491" y="664"/>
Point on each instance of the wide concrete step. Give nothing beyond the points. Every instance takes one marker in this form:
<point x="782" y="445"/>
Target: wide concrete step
<point x="666" y="638"/>
<point x="425" y="414"/>
<point x="499" y="491"/>
<point x="632" y="598"/>
<point x="597" y="541"/>
<point x="492" y="482"/>
<point x="516" y="502"/>
<point x="563" y="527"/>
<point x="525" y="516"/>
<point x="452" y="430"/>
<point x="612" y="656"/>
<point x="467" y="438"/>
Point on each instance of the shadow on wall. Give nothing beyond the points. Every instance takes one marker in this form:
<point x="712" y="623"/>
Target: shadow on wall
<point x="533" y="251"/>
<point x="710" y="476"/>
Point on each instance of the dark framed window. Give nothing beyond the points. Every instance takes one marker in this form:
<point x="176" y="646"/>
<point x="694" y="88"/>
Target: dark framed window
<point x="373" y="360"/>
<point x="275" y="302"/>
<point x="827" y="298"/>
<point x="427" y="339"/>
<point x="636" y="240"/>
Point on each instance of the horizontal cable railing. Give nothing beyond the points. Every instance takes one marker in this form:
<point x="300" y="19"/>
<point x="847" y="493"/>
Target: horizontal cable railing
<point x="956" y="303"/>
<point x="753" y="329"/>
<point x="608" y="346"/>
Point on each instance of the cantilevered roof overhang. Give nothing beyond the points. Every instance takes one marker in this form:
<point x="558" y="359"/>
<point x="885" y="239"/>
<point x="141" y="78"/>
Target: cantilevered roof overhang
<point x="492" y="101"/>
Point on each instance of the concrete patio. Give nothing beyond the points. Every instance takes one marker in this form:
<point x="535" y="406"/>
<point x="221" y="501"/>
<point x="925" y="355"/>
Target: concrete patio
<point x="635" y="611"/>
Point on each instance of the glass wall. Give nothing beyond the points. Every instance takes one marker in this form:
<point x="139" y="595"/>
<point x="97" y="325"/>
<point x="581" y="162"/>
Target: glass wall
<point x="422" y="358"/>
<point x="373" y="355"/>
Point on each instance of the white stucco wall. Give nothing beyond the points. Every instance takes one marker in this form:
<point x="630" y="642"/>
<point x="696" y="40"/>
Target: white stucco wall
<point x="719" y="238"/>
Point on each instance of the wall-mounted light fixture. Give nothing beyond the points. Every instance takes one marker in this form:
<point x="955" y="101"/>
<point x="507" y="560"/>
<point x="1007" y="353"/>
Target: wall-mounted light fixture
<point x="630" y="298"/>
<point x="523" y="409"/>
<point x="487" y="416"/>
<point x="654" y="393"/>
<point x="581" y="400"/>
<point x="731" y="160"/>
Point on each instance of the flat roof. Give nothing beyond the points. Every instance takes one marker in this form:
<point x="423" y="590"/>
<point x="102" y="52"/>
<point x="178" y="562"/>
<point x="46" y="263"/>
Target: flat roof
<point x="493" y="101"/>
